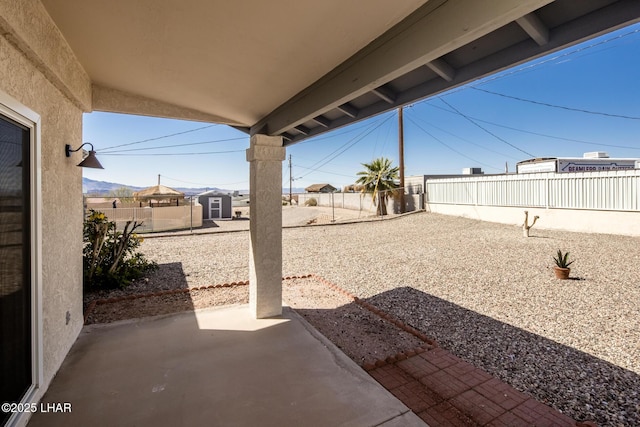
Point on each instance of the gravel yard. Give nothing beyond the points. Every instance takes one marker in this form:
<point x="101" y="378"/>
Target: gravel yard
<point x="481" y="290"/>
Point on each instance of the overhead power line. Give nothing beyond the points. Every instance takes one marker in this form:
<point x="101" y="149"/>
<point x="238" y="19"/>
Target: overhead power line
<point x="204" y="185"/>
<point x="178" y="145"/>
<point x="599" y="113"/>
<point x="185" y="182"/>
<point x="459" y="137"/>
<point x="579" y="141"/>
<point x="330" y="157"/>
<point x="323" y="171"/>
<point x="486" y="130"/>
<point x="448" y="146"/>
<point x="156" y="138"/>
<point x="173" y="154"/>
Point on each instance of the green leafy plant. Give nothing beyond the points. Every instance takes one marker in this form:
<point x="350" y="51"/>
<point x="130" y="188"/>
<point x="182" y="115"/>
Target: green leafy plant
<point x="109" y="256"/>
<point x="311" y="202"/>
<point x="561" y="260"/>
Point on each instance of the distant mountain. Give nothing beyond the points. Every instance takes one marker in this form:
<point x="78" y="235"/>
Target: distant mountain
<point x="103" y="188"/>
<point x="89" y="186"/>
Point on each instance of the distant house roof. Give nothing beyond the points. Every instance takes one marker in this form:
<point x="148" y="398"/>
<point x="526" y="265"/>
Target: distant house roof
<point x="320" y="188"/>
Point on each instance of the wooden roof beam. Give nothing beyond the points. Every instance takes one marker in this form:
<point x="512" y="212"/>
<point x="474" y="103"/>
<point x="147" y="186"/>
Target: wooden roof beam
<point x="349" y="110"/>
<point x="322" y="121"/>
<point x="302" y="129"/>
<point x="536" y="29"/>
<point x="385" y="94"/>
<point x="442" y="68"/>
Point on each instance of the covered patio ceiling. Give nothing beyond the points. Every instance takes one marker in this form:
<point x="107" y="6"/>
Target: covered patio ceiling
<point x="300" y="68"/>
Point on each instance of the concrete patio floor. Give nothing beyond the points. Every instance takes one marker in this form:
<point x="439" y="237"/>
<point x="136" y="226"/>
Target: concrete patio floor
<point x="216" y="367"/>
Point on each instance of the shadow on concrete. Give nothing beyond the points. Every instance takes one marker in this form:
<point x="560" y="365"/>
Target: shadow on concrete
<point x="217" y="367"/>
<point x="531" y="363"/>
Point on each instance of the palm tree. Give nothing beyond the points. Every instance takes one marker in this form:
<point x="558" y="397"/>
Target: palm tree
<point x="379" y="179"/>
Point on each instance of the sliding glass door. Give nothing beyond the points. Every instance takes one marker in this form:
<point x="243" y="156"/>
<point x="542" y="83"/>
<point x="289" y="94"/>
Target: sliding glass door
<point x="15" y="263"/>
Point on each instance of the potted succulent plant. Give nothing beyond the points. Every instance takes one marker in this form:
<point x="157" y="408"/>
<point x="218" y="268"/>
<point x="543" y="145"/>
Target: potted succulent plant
<point x="562" y="269"/>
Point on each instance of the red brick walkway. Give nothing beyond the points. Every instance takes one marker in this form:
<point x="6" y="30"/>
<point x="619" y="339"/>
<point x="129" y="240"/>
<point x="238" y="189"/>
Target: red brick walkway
<point x="444" y="390"/>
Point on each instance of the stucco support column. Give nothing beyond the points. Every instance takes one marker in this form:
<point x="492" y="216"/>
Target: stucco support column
<point x="265" y="156"/>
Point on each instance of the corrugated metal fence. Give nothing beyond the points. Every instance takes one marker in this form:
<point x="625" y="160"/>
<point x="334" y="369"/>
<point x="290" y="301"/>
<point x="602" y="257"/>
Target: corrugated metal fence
<point x="606" y="190"/>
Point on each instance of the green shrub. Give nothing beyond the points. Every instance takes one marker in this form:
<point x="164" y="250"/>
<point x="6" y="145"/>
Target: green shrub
<point x="311" y="202"/>
<point x="109" y="257"/>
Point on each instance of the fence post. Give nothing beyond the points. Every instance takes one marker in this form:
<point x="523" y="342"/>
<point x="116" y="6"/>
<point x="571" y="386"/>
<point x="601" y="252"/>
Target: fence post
<point x="477" y="193"/>
<point x="548" y="190"/>
<point x="333" y="209"/>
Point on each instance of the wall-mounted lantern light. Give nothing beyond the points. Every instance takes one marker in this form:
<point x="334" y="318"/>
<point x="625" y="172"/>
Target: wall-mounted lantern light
<point x="90" y="161"/>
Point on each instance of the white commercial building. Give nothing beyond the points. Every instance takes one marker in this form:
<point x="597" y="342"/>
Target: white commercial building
<point x="590" y="162"/>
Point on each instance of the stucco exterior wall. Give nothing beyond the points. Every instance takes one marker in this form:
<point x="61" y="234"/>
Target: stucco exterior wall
<point x="23" y="78"/>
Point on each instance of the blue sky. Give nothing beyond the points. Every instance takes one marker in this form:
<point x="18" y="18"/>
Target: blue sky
<point x="466" y="127"/>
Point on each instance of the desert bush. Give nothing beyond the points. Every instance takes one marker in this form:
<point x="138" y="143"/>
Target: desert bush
<point x="311" y="202"/>
<point x="109" y="256"/>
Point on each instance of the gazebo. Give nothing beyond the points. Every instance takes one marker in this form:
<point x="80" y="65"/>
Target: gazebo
<point x="159" y="194"/>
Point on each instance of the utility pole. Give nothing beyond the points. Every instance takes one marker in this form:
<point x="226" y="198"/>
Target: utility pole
<point x="401" y="157"/>
<point x="290" y="182"/>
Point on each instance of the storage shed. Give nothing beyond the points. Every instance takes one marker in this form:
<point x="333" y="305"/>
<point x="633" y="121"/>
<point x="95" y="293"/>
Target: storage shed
<point x="215" y="205"/>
